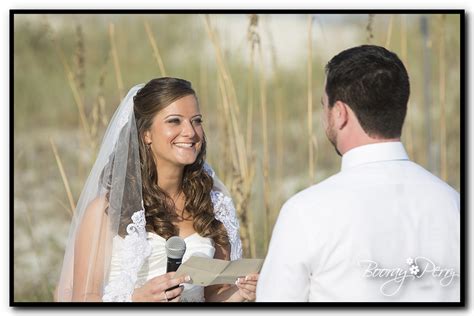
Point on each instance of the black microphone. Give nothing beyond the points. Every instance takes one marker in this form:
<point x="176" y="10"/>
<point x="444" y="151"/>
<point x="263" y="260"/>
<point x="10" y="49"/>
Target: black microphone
<point x="175" y="248"/>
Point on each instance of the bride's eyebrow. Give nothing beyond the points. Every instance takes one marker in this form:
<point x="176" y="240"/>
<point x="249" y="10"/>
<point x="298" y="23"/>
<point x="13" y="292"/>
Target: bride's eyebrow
<point x="173" y="115"/>
<point x="194" y="116"/>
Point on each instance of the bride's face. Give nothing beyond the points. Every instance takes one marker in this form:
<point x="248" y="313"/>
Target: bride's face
<point x="176" y="133"/>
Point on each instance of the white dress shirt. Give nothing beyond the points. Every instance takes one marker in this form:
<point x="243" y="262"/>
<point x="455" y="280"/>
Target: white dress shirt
<point x="360" y="234"/>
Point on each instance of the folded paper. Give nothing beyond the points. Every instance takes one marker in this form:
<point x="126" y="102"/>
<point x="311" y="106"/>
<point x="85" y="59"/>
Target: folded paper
<point x="205" y="271"/>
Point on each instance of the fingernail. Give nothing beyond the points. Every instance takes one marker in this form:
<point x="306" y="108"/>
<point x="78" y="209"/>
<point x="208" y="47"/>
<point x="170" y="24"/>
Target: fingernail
<point x="187" y="278"/>
<point x="237" y="282"/>
<point x="247" y="278"/>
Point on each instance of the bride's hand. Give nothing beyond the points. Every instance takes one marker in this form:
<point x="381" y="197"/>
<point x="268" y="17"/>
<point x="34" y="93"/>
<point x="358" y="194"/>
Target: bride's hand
<point x="156" y="289"/>
<point x="248" y="286"/>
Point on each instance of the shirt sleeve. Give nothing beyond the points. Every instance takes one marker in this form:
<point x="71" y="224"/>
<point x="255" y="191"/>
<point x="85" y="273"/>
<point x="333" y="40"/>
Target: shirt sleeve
<point x="285" y="275"/>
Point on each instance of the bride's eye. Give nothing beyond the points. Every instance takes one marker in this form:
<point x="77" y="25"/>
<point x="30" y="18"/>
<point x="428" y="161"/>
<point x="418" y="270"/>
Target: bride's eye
<point x="173" y="121"/>
<point x="197" y="121"/>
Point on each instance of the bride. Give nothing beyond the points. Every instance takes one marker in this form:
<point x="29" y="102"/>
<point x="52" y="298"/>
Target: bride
<point x="150" y="182"/>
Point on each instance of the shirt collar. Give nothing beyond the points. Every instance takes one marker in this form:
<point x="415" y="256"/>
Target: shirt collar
<point x="373" y="153"/>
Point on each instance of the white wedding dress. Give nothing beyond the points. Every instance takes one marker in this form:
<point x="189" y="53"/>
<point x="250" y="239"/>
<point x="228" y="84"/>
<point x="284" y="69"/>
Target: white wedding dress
<point x="151" y="262"/>
<point x="155" y="264"/>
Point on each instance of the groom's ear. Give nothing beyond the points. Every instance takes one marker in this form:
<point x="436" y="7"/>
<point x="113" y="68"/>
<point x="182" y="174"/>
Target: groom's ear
<point x="340" y="114"/>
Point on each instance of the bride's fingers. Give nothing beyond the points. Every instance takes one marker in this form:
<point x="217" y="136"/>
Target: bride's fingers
<point x="252" y="277"/>
<point x="248" y="282"/>
<point x="158" y="298"/>
<point x="254" y="283"/>
<point x="172" y="294"/>
<point x="168" y="296"/>
<point x="170" y="283"/>
<point x="247" y="287"/>
<point x="248" y="295"/>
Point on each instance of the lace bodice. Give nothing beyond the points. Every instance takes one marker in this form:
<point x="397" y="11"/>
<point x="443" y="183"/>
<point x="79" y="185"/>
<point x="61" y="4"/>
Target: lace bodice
<point x="140" y="256"/>
<point x="224" y="211"/>
<point x="130" y="253"/>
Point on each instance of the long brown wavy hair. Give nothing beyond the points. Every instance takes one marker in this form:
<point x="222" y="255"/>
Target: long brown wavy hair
<point x="196" y="183"/>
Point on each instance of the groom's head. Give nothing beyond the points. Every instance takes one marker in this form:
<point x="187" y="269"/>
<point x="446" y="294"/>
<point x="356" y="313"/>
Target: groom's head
<point x="365" y="99"/>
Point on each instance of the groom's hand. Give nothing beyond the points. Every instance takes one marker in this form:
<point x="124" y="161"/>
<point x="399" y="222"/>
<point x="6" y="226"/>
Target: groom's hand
<point x="248" y="286"/>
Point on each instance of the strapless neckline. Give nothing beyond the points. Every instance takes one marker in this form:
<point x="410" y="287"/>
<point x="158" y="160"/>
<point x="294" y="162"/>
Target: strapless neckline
<point x="155" y="235"/>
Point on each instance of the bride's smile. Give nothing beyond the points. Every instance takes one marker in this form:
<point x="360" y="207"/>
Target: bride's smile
<point x="185" y="145"/>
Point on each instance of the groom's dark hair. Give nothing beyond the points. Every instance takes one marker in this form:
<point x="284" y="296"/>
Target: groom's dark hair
<point x="374" y="83"/>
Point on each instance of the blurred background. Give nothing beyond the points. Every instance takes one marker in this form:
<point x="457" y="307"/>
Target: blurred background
<point x="259" y="79"/>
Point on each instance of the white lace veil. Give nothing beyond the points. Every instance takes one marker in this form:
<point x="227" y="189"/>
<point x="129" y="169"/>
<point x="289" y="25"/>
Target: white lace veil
<point x="111" y="195"/>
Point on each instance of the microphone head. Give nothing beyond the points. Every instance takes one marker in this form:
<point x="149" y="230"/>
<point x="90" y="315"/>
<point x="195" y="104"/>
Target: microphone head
<point x="175" y="247"/>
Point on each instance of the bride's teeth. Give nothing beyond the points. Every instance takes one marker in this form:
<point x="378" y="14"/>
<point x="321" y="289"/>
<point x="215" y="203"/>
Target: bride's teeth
<point x="186" y="145"/>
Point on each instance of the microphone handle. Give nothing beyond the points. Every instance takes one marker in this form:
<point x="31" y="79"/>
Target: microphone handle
<point x="171" y="266"/>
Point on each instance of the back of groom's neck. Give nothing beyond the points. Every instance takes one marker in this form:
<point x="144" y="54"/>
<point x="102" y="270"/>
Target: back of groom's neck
<point x="362" y="141"/>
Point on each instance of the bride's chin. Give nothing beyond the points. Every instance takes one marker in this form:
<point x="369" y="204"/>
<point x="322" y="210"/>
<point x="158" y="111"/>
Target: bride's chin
<point x="186" y="162"/>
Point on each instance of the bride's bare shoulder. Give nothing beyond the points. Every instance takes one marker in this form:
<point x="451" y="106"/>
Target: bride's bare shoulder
<point x="97" y="207"/>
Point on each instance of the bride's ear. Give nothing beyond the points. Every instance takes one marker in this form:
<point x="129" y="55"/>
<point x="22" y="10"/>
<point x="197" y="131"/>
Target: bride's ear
<point x="147" y="137"/>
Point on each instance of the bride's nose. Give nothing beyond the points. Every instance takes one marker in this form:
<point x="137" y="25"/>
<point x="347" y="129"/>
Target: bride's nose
<point x="188" y="129"/>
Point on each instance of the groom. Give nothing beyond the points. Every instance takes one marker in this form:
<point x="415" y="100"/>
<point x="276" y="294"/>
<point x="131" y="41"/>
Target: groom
<point x="383" y="228"/>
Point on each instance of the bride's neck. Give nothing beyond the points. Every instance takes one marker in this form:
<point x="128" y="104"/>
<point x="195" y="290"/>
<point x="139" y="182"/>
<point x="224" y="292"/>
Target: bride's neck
<point x="170" y="179"/>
